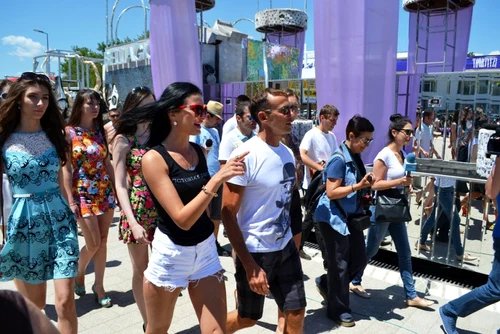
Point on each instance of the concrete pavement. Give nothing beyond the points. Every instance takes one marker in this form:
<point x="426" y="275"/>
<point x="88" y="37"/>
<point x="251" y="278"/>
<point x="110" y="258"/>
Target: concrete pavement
<point x="385" y="312"/>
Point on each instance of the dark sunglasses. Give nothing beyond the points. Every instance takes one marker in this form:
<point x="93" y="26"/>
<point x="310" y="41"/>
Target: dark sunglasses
<point x="200" y="110"/>
<point x="34" y="76"/>
<point x="407" y="132"/>
<point x="286" y="110"/>
<point x="144" y="89"/>
<point x="367" y="141"/>
<point x="3" y="96"/>
<point x="113" y="116"/>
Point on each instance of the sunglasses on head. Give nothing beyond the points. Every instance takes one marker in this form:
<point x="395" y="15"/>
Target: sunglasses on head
<point x="407" y="132"/>
<point x="34" y="76"/>
<point x="200" y="110"/>
<point x="144" y="89"/>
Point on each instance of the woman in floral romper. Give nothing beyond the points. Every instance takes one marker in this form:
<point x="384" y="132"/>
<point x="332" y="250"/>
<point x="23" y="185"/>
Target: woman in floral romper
<point x="92" y="197"/>
<point x="138" y="217"/>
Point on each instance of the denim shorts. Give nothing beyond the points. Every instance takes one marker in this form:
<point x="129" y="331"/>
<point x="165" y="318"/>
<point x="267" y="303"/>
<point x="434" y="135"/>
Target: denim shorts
<point x="172" y="266"/>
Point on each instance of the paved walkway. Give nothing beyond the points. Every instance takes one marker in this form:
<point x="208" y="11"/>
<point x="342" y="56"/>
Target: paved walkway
<point x="385" y="312"/>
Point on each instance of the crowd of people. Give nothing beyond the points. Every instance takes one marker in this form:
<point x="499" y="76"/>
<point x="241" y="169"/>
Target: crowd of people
<point x="174" y="179"/>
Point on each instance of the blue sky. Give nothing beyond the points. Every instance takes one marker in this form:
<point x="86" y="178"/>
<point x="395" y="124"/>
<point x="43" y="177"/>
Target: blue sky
<point x="82" y="23"/>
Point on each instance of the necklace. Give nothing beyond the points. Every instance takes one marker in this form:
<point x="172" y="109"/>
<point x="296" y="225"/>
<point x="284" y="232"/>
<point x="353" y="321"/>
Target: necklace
<point x="186" y="161"/>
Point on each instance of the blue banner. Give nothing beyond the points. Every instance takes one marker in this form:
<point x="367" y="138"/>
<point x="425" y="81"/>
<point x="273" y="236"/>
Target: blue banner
<point x="472" y="63"/>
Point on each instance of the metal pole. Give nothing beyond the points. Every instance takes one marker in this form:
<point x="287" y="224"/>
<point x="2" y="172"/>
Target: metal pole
<point x="47" y="64"/>
<point x="107" y="24"/>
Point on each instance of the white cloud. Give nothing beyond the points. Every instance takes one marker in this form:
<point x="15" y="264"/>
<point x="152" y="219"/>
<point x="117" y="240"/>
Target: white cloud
<point x="495" y="53"/>
<point x="23" y="47"/>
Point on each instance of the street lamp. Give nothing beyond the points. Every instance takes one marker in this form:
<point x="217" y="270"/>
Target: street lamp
<point x="48" y="60"/>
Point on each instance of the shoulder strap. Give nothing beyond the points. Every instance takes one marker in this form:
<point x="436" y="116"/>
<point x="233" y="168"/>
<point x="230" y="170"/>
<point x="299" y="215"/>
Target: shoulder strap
<point x="165" y="155"/>
<point x="336" y="202"/>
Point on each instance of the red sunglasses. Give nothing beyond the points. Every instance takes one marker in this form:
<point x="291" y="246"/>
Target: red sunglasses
<point x="200" y="110"/>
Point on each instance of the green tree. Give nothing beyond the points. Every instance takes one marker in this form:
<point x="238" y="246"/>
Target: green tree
<point x="471" y="54"/>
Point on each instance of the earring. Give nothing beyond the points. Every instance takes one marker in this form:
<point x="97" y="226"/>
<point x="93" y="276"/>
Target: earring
<point x="175" y="123"/>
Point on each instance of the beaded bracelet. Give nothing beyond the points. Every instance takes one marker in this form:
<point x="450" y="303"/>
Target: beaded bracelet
<point x="209" y="193"/>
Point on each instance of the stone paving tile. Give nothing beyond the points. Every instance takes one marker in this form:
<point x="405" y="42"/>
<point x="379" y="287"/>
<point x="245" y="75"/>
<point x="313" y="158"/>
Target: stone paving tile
<point x="385" y="312"/>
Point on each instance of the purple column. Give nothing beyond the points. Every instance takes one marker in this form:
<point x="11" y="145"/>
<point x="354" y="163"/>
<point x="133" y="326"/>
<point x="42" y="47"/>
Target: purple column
<point x="174" y="43"/>
<point x="297" y="41"/>
<point x="355" y="50"/>
<point x="436" y="49"/>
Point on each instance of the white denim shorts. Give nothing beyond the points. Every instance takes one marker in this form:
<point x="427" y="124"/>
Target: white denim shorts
<point x="173" y="266"/>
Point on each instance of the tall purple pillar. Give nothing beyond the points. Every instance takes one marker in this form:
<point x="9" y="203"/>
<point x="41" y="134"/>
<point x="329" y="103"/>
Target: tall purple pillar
<point x="174" y="44"/>
<point x="355" y="50"/>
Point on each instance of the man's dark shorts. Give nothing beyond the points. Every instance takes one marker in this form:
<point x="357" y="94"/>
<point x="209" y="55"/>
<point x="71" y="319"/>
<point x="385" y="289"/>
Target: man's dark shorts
<point x="296" y="213"/>
<point x="285" y="279"/>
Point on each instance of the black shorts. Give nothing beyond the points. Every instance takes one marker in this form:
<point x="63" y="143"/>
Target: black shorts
<point x="215" y="206"/>
<point x="296" y="213"/>
<point x="285" y="279"/>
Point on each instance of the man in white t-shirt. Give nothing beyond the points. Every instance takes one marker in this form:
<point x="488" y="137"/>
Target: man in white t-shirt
<point x="319" y="143"/>
<point x="256" y="214"/>
<point x="231" y="123"/>
<point x="316" y="147"/>
<point x="423" y="140"/>
<point x="243" y="131"/>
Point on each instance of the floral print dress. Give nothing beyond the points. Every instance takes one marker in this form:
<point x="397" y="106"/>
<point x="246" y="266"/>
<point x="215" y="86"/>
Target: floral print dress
<point x="140" y="198"/>
<point x="92" y="187"/>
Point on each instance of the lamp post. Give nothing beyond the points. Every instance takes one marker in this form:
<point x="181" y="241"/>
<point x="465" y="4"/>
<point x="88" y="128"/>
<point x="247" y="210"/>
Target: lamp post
<point x="48" y="57"/>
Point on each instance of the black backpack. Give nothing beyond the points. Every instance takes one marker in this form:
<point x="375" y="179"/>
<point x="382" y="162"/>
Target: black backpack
<point x="316" y="188"/>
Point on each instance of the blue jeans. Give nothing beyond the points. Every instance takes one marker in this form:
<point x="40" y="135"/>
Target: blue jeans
<point x="445" y="207"/>
<point x="480" y="297"/>
<point x="399" y="234"/>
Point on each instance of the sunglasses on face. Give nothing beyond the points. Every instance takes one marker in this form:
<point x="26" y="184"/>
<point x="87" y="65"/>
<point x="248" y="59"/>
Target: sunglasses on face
<point x="200" y="110"/>
<point x="114" y="116"/>
<point x="366" y="141"/>
<point x="3" y="96"/>
<point x="408" y="132"/>
<point x="286" y="110"/>
<point x="144" y="89"/>
<point x="34" y="76"/>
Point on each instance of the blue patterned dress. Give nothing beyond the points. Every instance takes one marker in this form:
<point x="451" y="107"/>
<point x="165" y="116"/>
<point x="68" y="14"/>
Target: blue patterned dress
<point x="42" y="242"/>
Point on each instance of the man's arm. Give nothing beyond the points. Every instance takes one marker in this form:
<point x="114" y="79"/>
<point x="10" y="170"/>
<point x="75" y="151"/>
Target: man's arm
<point x="231" y="202"/>
<point x="308" y="161"/>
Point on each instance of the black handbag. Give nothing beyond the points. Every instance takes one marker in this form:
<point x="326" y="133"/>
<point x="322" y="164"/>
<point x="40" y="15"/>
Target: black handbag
<point x="392" y="206"/>
<point x="359" y="221"/>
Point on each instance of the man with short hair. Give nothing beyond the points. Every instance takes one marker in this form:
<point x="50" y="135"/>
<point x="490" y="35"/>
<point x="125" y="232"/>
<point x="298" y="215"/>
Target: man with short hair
<point x="245" y="125"/>
<point x="256" y="214"/>
<point x="209" y="139"/>
<point x="316" y="147"/>
<point x="231" y="123"/>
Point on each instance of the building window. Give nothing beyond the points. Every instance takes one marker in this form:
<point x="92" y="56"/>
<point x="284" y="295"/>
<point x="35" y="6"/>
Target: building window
<point x="483" y="86"/>
<point x="494" y="111"/>
<point x="495" y="88"/>
<point x="469" y="88"/>
<point x="430" y="86"/>
<point x="460" y="86"/>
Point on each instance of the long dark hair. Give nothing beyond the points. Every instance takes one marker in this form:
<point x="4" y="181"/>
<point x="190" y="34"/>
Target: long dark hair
<point x="76" y="112"/>
<point x="398" y="122"/>
<point x="127" y="123"/>
<point x="52" y="122"/>
<point x="157" y="113"/>
<point x="463" y="123"/>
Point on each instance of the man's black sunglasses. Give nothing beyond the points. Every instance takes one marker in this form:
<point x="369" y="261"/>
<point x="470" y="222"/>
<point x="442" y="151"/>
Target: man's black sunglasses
<point x="3" y="96"/>
<point x="34" y="76"/>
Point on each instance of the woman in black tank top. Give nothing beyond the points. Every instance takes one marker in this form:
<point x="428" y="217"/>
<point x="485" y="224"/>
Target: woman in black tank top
<point x="184" y="252"/>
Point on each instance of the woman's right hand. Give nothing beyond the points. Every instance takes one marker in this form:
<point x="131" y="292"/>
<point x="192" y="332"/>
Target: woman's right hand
<point x="367" y="181"/>
<point x="233" y="167"/>
<point x="140" y="234"/>
<point x="406" y="181"/>
<point x="75" y="208"/>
